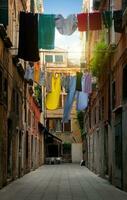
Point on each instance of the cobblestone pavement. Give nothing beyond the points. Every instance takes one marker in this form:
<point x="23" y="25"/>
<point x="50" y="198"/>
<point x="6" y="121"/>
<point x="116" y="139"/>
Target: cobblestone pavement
<point x="61" y="182"/>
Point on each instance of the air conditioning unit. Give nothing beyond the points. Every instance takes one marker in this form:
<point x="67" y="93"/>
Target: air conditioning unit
<point x="112" y="46"/>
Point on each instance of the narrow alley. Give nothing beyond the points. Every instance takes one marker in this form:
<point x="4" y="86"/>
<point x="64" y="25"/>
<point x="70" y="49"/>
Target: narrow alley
<point x="63" y="100"/>
<point x="61" y="182"/>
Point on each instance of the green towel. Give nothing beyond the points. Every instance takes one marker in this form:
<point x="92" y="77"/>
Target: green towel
<point x="46" y="31"/>
<point x="107" y="18"/>
<point x="4" y="12"/>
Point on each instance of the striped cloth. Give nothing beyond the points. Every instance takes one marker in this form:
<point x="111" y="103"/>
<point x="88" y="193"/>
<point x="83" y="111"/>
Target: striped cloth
<point x="87" y="83"/>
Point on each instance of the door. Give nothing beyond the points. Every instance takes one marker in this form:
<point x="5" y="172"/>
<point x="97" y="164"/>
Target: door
<point x="106" y="150"/>
<point x="20" y="155"/>
<point x="118" y="149"/>
<point x="9" y="150"/>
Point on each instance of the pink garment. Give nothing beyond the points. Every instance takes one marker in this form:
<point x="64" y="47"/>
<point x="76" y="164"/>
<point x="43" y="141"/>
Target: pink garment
<point x="87" y="83"/>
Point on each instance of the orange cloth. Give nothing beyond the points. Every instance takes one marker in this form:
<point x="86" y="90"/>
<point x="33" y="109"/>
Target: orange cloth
<point x="36" y="72"/>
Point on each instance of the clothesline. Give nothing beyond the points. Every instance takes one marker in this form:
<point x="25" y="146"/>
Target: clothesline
<point x="37" y="31"/>
<point x="77" y="86"/>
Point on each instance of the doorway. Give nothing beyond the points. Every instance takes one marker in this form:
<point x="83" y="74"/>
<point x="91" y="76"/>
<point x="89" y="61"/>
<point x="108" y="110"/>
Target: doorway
<point x="20" y="155"/>
<point x="9" y="150"/>
<point x="106" y="150"/>
<point x="118" y="149"/>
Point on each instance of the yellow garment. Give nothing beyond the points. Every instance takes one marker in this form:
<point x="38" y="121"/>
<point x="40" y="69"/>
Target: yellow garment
<point x="36" y="72"/>
<point x="53" y="97"/>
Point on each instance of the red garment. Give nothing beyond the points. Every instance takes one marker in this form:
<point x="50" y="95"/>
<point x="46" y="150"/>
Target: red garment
<point x="94" y="21"/>
<point x="82" y="21"/>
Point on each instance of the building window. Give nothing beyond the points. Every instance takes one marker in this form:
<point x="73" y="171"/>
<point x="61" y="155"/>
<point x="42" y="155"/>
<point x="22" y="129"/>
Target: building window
<point x="96" y="4"/>
<point x="56" y="125"/>
<point x="113" y="94"/>
<point x="33" y="120"/>
<point x="67" y="126"/>
<point x="124" y="4"/>
<point x="64" y="99"/>
<point x="102" y="108"/>
<point x="89" y="119"/>
<point x="58" y="59"/>
<point x="125" y="82"/>
<point x="99" y="110"/>
<point x="1" y="85"/>
<point x="15" y="102"/>
<point x="95" y="120"/>
<point x="29" y="118"/>
<point x="49" y="58"/>
<point x="5" y="91"/>
<point x="60" y="101"/>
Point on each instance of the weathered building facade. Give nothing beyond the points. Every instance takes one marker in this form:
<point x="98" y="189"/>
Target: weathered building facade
<point x="56" y="61"/>
<point x="21" y="143"/>
<point x="105" y="118"/>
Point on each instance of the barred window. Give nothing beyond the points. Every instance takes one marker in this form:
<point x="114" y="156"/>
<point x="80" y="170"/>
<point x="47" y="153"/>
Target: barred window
<point x="58" y="59"/>
<point x="49" y="58"/>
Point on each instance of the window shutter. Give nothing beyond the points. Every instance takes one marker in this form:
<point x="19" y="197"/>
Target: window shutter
<point x="124" y="4"/>
<point x="4" y="12"/>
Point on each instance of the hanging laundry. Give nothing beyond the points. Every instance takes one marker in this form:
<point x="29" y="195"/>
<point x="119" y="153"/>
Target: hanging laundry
<point x="29" y="74"/>
<point x="117" y="16"/>
<point x="107" y="18"/>
<point x="79" y="81"/>
<point x="95" y="22"/>
<point x="65" y="83"/>
<point x="38" y="95"/>
<point x="48" y="82"/>
<point x="28" y="37"/>
<point x="43" y="102"/>
<point x="46" y="31"/>
<point x="53" y="97"/>
<point x="82" y="21"/>
<point x="87" y="83"/>
<point x="81" y="100"/>
<point x="69" y="99"/>
<point x="36" y="72"/>
<point x="42" y="78"/>
<point x="4" y="12"/>
<point x="66" y="26"/>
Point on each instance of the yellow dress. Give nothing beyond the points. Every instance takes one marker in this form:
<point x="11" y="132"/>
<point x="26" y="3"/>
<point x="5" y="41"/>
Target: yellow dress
<point x="53" y="97"/>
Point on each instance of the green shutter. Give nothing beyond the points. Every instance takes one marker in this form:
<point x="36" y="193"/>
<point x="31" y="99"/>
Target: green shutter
<point x="32" y="6"/>
<point x="124" y="4"/>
